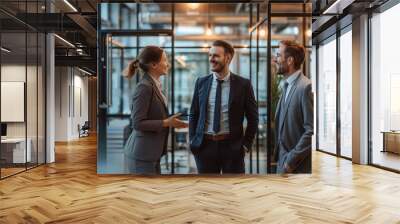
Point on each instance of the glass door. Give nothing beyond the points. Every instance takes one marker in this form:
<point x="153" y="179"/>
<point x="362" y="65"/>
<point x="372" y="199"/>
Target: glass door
<point x="120" y="49"/>
<point x="273" y="23"/>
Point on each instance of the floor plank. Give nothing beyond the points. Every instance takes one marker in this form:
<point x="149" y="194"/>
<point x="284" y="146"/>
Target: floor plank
<point x="70" y="191"/>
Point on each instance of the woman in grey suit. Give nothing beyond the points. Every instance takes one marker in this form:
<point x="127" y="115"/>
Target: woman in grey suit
<point x="150" y="122"/>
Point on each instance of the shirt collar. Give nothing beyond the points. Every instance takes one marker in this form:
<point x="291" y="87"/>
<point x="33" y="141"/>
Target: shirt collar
<point x="226" y="79"/>
<point x="293" y="77"/>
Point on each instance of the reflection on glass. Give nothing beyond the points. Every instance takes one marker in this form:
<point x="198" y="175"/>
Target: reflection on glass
<point x="111" y="12"/>
<point x="327" y="97"/>
<point x="15" y="149"/>
<point x="155" y="16"/>
<point x="290" y="28"/>
<point x="189" y="65"/>
<point x="22" y="91"/>
<point x="123" y="51"/>
<point x="385" y="114"/>
<point x="209" y="22"/>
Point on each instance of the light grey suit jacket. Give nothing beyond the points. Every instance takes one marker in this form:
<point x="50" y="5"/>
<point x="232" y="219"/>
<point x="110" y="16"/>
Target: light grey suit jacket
<point x="294" y="128"/>
<point x="148" y="140"/>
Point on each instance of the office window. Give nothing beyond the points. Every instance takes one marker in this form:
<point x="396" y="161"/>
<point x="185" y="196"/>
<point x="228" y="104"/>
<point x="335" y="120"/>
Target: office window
<point x="385" y="84"/>
<point x="346" y="94"/>
<point x="327" y="96"/>
<point x="153" y="16"/>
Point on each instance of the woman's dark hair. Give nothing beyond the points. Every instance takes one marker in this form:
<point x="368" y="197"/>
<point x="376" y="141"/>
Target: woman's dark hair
<point x="147" y="56"/>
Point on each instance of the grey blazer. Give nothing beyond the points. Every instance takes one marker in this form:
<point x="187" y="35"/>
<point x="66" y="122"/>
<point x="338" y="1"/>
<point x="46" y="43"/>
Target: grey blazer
<point x="294" y="128"/>
<point x="148" y="140"/>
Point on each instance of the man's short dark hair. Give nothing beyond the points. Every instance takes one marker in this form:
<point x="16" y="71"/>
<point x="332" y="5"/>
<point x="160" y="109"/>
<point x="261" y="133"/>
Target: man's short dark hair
<point x="228" y="49"/>
<point x="295" y="50"/>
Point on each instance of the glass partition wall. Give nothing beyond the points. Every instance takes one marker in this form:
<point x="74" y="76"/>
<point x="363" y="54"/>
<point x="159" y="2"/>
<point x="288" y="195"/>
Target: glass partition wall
<point x="283" y="21"/>
<point x="385" y="89"/>
<point x="187" y="42"/>
<point x="334" y="94"/>
<point x="22" y="77"/>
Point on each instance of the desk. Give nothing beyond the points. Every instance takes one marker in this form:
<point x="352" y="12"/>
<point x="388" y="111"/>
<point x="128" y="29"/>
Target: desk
<point x="13" y="150"/>
<point x="391" y="141"/>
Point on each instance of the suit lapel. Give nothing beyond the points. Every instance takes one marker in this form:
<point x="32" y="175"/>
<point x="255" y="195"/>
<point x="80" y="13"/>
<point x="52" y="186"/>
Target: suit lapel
<point x="278" y="110"/>
<point x="287" y="103"/>
<point x="155" y="89"/>
<point x="206" y="93"/>
<point x="232" y="81"/>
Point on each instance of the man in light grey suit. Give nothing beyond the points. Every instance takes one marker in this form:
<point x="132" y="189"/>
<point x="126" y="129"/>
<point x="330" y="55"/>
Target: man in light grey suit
<point x="294" y="115"/>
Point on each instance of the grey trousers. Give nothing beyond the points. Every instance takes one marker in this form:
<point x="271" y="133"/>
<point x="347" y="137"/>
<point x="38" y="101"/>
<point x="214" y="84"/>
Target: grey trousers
<point x="135" y="166"/>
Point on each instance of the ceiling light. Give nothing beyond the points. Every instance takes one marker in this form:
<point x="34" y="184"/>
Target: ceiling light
<point x="208" y="31"/>
<point x="84" y="71"/>
<point x="65" y="41"/>
<point x="308" y="32"/>
<point x="193" y="5"/>
<point x="262" y="33"/>
<point x="5" y="50"/>
<point x="70" y="5"/>
<point x="338" y="6"/>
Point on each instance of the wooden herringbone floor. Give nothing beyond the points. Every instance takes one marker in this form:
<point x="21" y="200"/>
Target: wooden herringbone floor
<point x="69" y="191"/>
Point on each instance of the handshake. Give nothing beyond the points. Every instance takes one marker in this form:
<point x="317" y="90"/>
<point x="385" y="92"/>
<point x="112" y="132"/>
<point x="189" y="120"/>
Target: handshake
<point x="174" y="121"/>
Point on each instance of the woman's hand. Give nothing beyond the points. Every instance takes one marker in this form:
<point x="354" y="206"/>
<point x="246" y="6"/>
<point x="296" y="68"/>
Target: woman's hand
<point x="174" y="122"/>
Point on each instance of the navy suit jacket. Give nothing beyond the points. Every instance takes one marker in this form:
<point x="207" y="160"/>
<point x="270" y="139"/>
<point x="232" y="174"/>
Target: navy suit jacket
<point x="242" y="104"/>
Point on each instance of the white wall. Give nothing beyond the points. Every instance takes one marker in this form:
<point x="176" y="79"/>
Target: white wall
<point x="17" y="73"/>
<point x="33" y="126"/>
<point x="71" y="103"/>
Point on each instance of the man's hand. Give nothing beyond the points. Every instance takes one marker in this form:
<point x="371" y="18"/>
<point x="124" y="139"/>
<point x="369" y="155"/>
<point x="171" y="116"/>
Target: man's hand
<point x="287" y="168"/>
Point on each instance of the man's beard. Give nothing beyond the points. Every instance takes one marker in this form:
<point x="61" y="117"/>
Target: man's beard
<point x="281" y="69"/>
<point x="218" y="68"/>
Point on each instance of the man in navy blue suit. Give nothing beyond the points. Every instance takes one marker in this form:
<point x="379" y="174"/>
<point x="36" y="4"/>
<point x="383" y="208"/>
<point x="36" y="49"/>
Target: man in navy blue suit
<point x="221" y="101"/>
